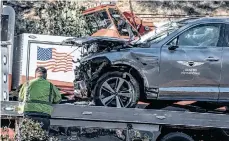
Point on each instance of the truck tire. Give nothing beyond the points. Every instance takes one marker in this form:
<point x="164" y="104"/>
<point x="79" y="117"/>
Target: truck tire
<point x="117" y="89"/>
<point x="177" y="136"/>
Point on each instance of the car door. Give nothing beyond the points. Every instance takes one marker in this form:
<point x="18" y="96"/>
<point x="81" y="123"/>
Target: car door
<point x="224" y="83"/>
<point x="191" y="63"/>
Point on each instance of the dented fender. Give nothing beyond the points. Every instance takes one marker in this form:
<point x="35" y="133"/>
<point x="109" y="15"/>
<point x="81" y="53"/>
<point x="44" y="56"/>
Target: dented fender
<point x="144" y="60"/>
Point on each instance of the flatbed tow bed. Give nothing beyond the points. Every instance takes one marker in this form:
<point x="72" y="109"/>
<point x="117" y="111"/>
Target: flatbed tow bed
<point x="126" y="118"/>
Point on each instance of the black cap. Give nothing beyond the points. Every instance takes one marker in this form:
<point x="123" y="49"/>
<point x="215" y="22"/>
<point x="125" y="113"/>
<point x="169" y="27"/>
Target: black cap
<point x="41" y="69"/>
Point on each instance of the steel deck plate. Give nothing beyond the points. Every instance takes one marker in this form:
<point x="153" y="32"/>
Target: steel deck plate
<point x="63" y="112"/>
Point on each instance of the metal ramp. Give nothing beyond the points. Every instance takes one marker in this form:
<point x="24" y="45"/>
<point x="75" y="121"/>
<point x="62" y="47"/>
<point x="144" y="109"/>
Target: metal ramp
<point x="124" y="118"/>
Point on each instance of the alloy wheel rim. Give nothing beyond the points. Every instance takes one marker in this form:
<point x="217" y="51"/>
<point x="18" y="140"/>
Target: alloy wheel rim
<point x="116" y="92"/>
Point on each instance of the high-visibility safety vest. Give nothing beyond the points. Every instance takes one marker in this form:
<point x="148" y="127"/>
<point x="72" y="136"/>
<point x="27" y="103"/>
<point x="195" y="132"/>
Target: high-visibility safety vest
<point x="41" y="95"/>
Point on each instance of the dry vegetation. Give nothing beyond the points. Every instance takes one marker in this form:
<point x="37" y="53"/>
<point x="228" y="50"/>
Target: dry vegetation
<point x="172" y="8"/>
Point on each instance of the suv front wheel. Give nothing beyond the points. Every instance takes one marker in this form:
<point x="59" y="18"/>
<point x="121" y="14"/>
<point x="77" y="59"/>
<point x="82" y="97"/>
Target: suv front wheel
<point x="117" y="89"/>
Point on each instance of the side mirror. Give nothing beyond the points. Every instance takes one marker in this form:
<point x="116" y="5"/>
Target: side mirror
<point x="173" y="47"/>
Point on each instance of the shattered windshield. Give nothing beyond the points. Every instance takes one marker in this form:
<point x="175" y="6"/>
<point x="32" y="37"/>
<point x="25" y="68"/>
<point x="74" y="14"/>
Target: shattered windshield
<point x="163" y="32"/>
<point x="160" y="36"/>
<point x="159" y="33"/>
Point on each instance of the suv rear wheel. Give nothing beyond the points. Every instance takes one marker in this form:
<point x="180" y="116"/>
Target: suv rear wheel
<point x="117" y="89"/>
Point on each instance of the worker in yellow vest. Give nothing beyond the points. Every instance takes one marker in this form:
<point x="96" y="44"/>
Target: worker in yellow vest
<point x="41" y="95"/>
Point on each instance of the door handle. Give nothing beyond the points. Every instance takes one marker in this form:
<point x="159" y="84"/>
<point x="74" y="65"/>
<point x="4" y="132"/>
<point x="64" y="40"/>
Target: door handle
<point x="212" y="59"/>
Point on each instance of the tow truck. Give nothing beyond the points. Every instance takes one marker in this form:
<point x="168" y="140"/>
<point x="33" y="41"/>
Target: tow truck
<point x="168" y="124"/>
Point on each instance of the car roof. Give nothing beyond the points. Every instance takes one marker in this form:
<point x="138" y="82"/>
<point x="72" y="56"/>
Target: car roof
<point x="205" y="19"/>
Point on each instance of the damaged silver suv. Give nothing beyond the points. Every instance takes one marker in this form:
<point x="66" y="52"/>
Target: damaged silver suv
<point x="188" y="60"/>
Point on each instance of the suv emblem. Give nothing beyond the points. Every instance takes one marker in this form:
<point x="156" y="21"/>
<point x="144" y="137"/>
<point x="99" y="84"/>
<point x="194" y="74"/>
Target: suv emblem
<point x="190" y="63"/>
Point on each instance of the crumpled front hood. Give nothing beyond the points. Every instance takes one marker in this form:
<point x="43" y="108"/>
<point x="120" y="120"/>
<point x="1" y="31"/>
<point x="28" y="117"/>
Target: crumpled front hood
<point x="92" y="45"/>
<point x="93" y="39"/>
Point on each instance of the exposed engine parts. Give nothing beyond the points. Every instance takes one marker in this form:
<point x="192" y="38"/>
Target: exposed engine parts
<point x="87" y="73"/>
<point x="92" y="45"/>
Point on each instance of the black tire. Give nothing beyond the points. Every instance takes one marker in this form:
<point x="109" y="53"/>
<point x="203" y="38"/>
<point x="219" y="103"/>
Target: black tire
<point x="127" y="77"/>
<point x="177" y="136"/>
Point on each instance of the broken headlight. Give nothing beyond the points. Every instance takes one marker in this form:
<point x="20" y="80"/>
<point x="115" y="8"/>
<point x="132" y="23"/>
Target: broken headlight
<point x="93" y="48"/>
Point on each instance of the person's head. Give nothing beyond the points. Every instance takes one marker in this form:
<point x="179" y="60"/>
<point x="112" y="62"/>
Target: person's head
<point x="41" y="72"/>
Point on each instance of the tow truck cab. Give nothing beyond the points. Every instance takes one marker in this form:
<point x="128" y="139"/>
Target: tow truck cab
<point x="107" y="20"/>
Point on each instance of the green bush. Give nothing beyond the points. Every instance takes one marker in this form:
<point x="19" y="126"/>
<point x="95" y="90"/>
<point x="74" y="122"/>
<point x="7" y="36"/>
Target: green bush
<point x="61" y="18"/>
<point x="28" y="130"/>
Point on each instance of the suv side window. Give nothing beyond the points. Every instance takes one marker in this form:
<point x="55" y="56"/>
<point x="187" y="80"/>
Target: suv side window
<point x="201" y="35"/>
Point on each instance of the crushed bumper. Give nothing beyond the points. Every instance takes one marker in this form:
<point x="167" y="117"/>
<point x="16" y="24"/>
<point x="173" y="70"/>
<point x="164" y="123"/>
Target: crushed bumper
<point x="86" y="75"/>
<point x="80" y="86"/>
<point x="81" y="89"/>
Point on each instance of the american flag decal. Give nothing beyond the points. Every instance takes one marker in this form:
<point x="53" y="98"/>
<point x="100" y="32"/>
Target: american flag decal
<point x="53" y="60"/>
